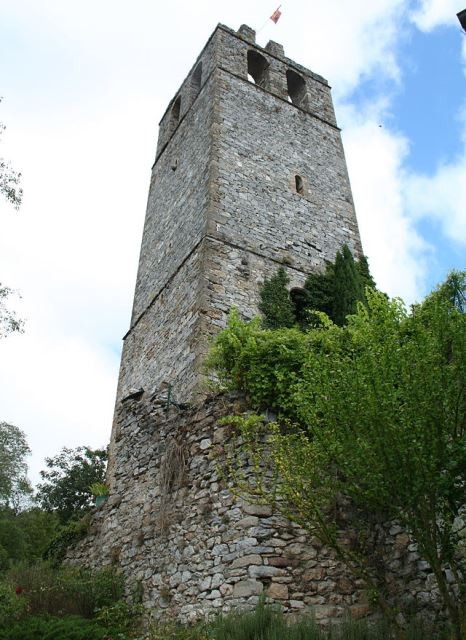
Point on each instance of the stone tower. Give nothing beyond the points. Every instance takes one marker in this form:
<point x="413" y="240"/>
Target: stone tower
<point x="249" y="175"/>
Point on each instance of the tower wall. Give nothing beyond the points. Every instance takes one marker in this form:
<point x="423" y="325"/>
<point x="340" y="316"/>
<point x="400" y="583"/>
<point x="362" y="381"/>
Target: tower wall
<point x="224" y="211"/>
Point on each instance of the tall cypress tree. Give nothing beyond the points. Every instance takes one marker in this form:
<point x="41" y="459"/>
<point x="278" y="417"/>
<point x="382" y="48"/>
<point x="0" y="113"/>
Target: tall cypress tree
<point x="320" y="289"/>
<point x="348" y="287"/>
<point x="275" y="301"/>
<point x="366" y="277"/>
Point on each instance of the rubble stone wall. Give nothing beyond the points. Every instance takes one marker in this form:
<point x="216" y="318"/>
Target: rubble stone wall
<point x="192" y="548"/>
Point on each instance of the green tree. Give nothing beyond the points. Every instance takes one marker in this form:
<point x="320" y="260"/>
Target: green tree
<point x="364" y="273"/>
<point x="275" y="301"/>
<point x="9" y="322"/>
<point x="9" y="179"/>
<point x="14" y="485"/>
<point x="10" y="189"/>
<point x="334" y="292"/>
<point x="25" y="535"/>
<point x="65" y="490"/>
<point x="348" y="288"/>
<point x="372" y="419"/>
<point x="320" y="287"/>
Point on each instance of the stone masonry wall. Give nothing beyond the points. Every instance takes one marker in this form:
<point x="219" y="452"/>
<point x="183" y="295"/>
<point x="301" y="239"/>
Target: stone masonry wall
<point x="223" y="211"/>
<point x="192" y="548"/>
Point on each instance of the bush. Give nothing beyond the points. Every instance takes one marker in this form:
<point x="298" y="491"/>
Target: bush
<point x="267" y="623"/>
<point x="50" y="628"/>
<point x="120" y="615"/>
<point x="65" y="538"/>
<point x="67" y="590"/>
<point x="12" y="605"/>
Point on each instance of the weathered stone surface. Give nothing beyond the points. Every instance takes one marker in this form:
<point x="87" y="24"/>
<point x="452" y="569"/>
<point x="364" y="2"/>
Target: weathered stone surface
<point x="246" y="588"/>
<point x="277" y="591"/>
<point x="280" y="562"/>
<point x="197" y="550"/>
<point x="262" y="510"/>
<point x="245" y="561"/>
<point x="265" y="571"/>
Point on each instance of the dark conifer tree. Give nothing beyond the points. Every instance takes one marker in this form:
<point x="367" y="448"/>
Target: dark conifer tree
<point x="275" y="301"/>
<point x="348" y="289"/>
<point x="320" y="289"/>
<point x="366" y="277"/>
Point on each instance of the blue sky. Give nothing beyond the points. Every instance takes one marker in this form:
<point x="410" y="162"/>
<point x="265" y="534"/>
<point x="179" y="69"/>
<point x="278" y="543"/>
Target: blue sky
<point x="426" y="106"/>
<point x="84" y="86"/>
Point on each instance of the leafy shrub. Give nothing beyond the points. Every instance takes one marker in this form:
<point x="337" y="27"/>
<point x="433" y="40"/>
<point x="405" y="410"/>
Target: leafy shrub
<point x="120" y="615"/>
<point x="267" y="623"/>
<point x="12" y="605"/>
<point x="67" y="536"/>
<point x="67" y="590"/>
<point x="173" y="631"/>
<point x="68" y="628"/>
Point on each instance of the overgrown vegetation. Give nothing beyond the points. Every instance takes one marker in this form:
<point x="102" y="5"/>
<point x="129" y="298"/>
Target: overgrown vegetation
<point x="334" y="292"/>
<point x="65" y="489"/>
<point x="371" y="425"/>
<point x="42" y="601"/>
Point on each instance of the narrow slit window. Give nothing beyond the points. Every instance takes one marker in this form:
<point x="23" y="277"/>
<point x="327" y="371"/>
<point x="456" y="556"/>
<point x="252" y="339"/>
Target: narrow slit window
<point x="196" y="80"/>
<point x="175" y="113"/>
<point x="296" y="88"/>
<point x="299" y="183"/>
<point x="257" y="68"/>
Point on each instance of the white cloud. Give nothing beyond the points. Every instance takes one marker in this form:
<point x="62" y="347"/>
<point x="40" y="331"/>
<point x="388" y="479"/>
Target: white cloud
<point x="375" y="162"/>
<point x="434" y="13"/>
<point x="442" y="198"/>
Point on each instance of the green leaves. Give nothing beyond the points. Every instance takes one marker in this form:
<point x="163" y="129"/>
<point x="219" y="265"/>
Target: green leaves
<point x="66" y="490"/>
<point x="275" y="301"/>
<point x="373" y="412"/>
<point x="14" y="484"/>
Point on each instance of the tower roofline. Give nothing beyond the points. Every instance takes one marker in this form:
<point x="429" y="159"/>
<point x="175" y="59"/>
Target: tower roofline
<point x="267" y="51"/>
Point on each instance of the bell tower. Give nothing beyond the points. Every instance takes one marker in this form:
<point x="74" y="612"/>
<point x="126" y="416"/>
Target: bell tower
<point x="249" y="174"/>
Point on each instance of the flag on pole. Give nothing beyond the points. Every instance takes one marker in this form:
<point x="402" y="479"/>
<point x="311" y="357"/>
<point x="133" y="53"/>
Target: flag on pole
<point x="276" y="15"/>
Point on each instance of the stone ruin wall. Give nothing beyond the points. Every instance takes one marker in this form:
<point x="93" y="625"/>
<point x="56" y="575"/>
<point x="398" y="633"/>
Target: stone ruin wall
<point x="223" y="212"/>
<point x="192" y="548"/>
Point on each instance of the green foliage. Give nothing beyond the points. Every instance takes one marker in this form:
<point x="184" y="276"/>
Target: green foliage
<point x="53" y="628"/>
<point x="67" y="535"/>
<point x="66" y="490"/>
<point x="364" y="272"/>
<point x="320" y="287"/>
<point x="259" y="361"/>
<point x="348" y="289"/>
<point x="371" y="415"/>
<point x="14" y="484"/>
<point x="174" y="631"/>
<point x="9" y="179"/>
<point x="25" y="535"/>
<point x="337" y="291"/>
<point x="12" y="605"/>
<point x="98" y="489"/>
<point x="9" y="321"/>
<point x="65" y="590"/>
<point x="120" y="615"/>
<point x="275" y="301"/>
<point x="334" y="292"/>
<point x="268" y="623"/>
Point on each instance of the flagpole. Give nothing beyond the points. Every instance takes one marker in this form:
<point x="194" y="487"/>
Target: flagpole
<point x="265" y="24"/>
<point x="269" y="18"/>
